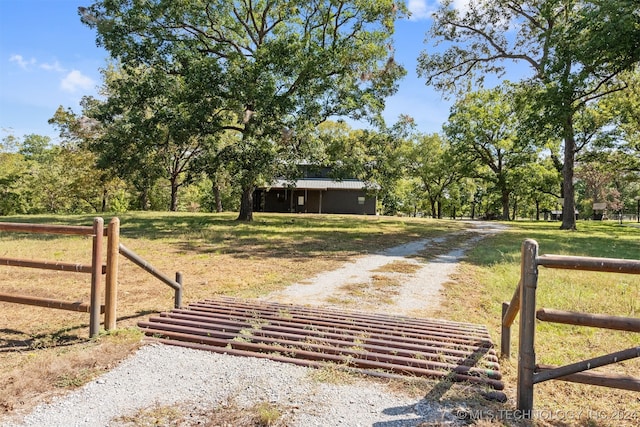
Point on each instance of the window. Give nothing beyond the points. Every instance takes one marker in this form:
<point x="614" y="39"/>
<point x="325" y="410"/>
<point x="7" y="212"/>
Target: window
<point x="361" y="200"/>
<point x="300" y="200"/>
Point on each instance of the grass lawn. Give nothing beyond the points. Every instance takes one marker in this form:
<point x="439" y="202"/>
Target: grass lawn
<point x="489" y="277"/>
<point x="44" y="351"/>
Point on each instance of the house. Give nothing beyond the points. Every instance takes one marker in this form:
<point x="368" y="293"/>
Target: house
<point x="316" y="195"/>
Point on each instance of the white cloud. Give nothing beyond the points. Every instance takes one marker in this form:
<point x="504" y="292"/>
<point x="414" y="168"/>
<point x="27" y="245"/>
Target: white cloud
<point x="52" y="67"/>
<point x="419" y="9"/>
<point x="22" y="63"/>
<point x="461" y="5"/>
<point x="76" y="80"/>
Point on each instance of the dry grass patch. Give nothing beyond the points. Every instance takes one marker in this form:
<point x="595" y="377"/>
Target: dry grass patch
<point x="444" y="245"/>
<point x="36" y="375"/>
<point x="41" y="349"/>
<point x="158" y="415"/>
<point x="333" y="373"/>
<point x="262" y="414"/>
<point x="402" y="267"/>
<point x="379" y="290"/>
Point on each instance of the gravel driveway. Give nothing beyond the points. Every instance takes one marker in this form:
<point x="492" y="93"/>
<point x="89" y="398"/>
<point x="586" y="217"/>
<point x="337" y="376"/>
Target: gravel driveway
<point x="196" y="384"/>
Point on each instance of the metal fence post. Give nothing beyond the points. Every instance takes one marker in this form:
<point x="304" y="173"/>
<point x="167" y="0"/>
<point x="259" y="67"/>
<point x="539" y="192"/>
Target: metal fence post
<point x="96" y="277"/>
<point x="526" y="352"/>
<point x="111" y="286"/>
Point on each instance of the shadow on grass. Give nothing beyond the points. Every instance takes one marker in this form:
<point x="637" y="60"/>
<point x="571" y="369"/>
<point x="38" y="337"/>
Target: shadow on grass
<point x="268" y="236"/>
<point x="60" y="338"/>
<point x="592" y="239"/>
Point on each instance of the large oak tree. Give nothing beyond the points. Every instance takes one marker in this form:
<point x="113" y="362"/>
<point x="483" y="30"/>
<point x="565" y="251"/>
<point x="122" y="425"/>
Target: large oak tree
<point x="575" y="49"/>
<point x="263" y="68"/>
<point x="483" y="133"/>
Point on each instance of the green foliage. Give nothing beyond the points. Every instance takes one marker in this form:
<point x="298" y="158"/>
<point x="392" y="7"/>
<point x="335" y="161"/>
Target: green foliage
<point x="265" y="70"/>
<point x="483" y="130"/>
<point x="437" y="170"/>
<point x="577" y="52"/>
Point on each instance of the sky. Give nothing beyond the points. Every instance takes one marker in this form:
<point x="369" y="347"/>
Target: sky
<point x="48" y="58"/>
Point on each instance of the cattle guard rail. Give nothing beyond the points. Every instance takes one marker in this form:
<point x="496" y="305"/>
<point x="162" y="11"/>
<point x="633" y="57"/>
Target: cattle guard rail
<point x="110" y="270"/>
<point x="524" y="299"/>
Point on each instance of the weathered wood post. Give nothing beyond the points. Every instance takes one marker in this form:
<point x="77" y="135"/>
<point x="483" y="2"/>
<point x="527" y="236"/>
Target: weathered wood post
<point x="177" y="302"/>
<point x="505" y="334"/>
<point x="96" y="277"/>
<point x="111" y="286"/>
<point x="526" y="352"/>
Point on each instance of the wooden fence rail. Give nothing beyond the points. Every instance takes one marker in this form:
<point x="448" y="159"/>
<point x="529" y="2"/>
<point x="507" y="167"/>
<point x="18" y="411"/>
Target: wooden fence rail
<point x="524" y="300"/>
<point x="96" y="269"/>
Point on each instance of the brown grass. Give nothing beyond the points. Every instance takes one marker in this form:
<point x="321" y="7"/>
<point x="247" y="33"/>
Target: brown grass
<point x="579" y="404"/>
<point x="403" y="267"/>
<point x="261" y="414"/>
<point x="37" y="374"/>
<point x="44" y="352"/>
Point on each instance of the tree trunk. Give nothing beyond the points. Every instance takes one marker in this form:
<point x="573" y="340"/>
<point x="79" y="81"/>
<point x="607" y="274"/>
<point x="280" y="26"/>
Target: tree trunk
<point x="433" y="208"/>
<point x="144" y="199"/>
<point x="504" y="197"/>
<point x="216" y="194"/>
<point x="105" y="195"/>
<point x="173" y="207"/>
<point x="569" y="206"/>
<point x="246" y="204"/>
<point x="537" y="210"/>
<point x="473" y="210"/>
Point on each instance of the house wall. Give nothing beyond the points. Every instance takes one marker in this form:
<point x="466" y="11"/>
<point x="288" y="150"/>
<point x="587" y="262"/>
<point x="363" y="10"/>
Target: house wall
<point x="315" y="201"/>
<point x="346" y="202"/>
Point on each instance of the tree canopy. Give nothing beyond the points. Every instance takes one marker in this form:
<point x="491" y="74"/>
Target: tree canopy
<point x="263" y="69"/>
<point x="576" y="50"/>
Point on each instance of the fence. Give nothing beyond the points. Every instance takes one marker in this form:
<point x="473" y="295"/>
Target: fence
<point x="524" y="299"/>
<point x="96" y="269"/>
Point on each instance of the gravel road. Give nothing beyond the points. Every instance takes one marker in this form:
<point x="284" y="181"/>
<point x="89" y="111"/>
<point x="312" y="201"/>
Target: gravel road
<point x="197" y="384"/>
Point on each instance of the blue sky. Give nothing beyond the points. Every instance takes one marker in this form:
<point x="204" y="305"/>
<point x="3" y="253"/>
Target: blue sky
<point x="49" y="58"/>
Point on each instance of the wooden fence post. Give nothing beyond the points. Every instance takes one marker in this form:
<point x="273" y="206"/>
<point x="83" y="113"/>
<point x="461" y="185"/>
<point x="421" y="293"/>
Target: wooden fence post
<point x="177" y="302"/>
<point x="111" y="286"/>
<point x="505" y="335"/>
<point x="96" y="277"/>
<point x="526" y="353"/>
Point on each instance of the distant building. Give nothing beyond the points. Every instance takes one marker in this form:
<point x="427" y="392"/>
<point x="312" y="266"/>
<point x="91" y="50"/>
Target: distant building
<point x="316" y="195"/>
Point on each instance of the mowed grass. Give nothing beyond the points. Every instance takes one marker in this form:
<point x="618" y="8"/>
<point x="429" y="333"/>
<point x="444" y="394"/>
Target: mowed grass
<point x="44" y="351"/>
<point x="216" y="254"/>
<point x="489" y="276"/>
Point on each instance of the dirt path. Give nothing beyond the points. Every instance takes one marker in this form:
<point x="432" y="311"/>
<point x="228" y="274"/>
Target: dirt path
<point x="405" y="279"/>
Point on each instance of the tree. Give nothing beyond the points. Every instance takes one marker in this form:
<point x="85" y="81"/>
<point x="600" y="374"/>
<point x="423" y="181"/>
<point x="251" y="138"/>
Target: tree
<point x="435" y="166"/>
<point x="13" y="167"/>
<point x="539" y="184"/>
<point x="576" y="49"/>
<point x="622" y="139"/>
<point x="148" y="128"/>
<point x="265" y="68"/>
<point x="85" y="179"/>
<point x="378" y="157"/>
<point x="482" y="130"/>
